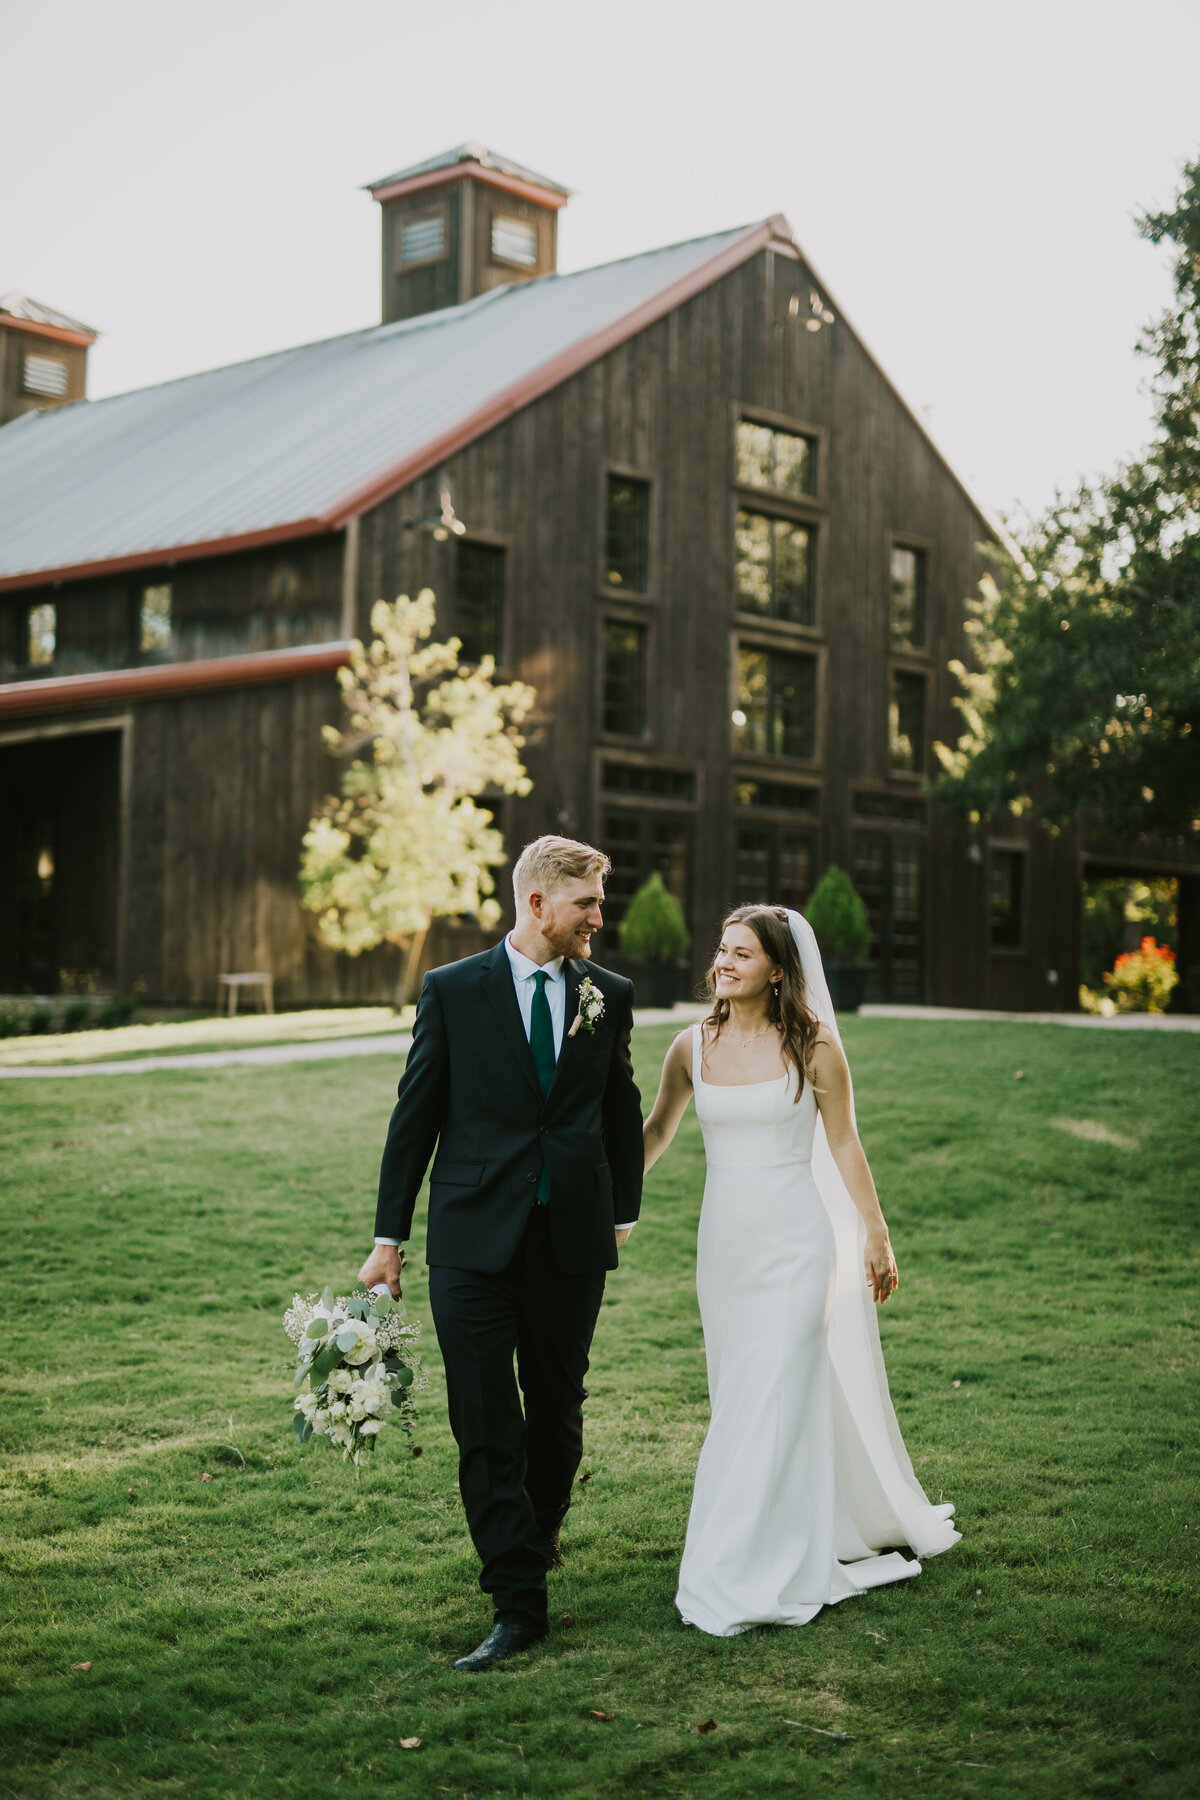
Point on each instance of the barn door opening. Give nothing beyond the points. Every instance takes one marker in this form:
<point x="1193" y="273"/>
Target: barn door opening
<point x="59" y="816"/>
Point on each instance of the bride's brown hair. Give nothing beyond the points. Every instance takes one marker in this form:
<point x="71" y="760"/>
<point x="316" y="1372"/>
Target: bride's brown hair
<point x="787" y="1004"/>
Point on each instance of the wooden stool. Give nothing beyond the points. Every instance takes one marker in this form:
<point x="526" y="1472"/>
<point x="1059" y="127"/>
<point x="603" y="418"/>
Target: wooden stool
<point x="264" y="983"/>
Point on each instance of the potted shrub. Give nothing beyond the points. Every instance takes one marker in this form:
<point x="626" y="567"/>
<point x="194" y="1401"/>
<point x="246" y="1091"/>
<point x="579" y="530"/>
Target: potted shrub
<point x="839" y="919"/>
<point x="656" y="941"/>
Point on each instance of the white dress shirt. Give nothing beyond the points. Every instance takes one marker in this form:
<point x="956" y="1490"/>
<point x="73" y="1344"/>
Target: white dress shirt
<point x="523" y="972"/>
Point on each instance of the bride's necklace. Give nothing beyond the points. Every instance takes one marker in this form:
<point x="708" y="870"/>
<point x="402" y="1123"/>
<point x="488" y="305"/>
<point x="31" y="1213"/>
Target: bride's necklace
<point x="741" y="1043"/>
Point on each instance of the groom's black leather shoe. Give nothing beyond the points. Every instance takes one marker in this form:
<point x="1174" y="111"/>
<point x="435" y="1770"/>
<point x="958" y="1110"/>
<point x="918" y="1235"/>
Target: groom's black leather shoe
<point x="502" y="1641"/>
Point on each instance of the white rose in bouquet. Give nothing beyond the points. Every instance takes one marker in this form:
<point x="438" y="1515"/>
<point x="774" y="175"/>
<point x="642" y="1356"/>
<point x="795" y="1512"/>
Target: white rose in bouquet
<point x="356" y="1367"/>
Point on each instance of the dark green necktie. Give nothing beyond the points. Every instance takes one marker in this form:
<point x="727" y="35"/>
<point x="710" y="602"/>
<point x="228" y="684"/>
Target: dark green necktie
<point x="541" y="1042"/>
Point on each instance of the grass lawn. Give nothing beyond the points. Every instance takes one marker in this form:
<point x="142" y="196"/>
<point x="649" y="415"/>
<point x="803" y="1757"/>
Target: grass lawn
<point x="278" y="1628"/>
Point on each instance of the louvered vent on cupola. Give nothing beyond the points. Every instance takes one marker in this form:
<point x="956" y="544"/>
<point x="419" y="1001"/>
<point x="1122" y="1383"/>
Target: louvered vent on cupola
<point x="463" y="223"/>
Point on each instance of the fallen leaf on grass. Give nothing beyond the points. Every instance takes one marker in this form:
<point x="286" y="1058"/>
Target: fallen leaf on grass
<point x="84" y="1666"/>
<point x="708" y="1725"/>
<point x="410" y="1743"/>
<point x="133" y="1493"/>
<point x="586" y="1476"/>
<point x="605" y="1718"/>
<point x="206" y="1476"/>
<point x="843" y="1737"/>
<point x="566" y="1621"/>
<point x="956" y="1384"/>
<point x="416" y="1449"/>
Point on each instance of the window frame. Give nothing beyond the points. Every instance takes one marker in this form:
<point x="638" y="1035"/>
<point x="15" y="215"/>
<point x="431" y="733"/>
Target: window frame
<point x="627" y="472"/>
<point x="926" y="547"/>
<point x="917" y="672"/>
<point x="817" y="435"/>
<point x="498" y="213"/>
<point x="815" y="561"/>
<point x="485" y="540"/>
<point x="629" y="618"/>
<point x="751" y="639"/>
<point x="1007" y="847"/>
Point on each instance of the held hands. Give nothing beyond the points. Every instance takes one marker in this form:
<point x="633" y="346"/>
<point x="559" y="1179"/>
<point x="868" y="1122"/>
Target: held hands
<point x="882" y="1276"/>
<point x="383" y="1264"/>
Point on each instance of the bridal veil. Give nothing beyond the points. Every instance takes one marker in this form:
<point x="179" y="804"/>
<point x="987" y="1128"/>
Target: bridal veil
<point x="880" y="1500"/>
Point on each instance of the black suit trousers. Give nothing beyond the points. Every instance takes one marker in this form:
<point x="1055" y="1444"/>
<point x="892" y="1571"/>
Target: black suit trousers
<point x="516" y="1469"/>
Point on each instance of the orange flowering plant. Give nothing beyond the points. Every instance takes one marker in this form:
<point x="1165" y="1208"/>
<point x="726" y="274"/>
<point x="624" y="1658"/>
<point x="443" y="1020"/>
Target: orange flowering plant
<point x="1142" y="980"/>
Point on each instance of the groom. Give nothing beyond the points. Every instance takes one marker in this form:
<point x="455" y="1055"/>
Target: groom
<point x="520" y="1074"/>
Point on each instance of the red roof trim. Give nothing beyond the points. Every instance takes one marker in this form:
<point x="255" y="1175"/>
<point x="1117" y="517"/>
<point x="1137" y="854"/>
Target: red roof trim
<point x="168" y="554"/>
<point x="66" y="693"/>
<point x="552" y="373"/>
<point x="510" y="184"/>
<point x="62" y="334"/>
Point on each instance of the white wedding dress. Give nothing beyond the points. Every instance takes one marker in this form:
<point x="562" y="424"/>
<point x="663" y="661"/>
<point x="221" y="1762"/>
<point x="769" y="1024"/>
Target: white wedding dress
<point x="803" y="1478"/>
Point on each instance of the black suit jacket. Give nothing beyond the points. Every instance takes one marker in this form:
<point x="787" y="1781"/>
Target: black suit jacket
<point x="470" y="1088"/>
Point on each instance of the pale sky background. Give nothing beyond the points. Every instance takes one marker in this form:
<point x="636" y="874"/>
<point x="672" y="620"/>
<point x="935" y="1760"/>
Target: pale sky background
<point x="964" y="176"/>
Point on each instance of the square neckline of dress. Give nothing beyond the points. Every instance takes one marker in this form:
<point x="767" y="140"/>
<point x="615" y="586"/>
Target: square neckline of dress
<point x="698" y="1070"/>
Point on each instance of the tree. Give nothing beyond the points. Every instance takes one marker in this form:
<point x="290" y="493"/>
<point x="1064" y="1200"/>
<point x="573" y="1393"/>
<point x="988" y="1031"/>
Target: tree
<point x="407" y="840"/>
<point x="1085" y="695"/>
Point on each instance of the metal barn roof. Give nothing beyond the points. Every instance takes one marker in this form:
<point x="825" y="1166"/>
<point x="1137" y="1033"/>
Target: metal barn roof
<point x="301" y="441"/>
<point x="470" y="153"/>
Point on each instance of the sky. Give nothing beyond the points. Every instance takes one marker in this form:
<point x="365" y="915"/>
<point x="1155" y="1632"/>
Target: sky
<point x="964" y="177"/>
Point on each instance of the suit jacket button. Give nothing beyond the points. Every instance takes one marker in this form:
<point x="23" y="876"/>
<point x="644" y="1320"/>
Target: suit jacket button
<point x="543" y="1129"/>
<point x="531" y="1178"/>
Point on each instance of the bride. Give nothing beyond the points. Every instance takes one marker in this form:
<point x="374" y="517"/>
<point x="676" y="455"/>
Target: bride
<point x="803" y="1481"/>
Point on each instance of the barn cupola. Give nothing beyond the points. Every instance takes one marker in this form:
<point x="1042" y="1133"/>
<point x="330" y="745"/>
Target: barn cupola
<point x="462" y="223"/>
<point x="43" y="356"/>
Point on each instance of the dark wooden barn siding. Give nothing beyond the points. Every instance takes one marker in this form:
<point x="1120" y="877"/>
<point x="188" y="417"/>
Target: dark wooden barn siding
<point x="663" y="406"/>
<point x="221" y="605"/>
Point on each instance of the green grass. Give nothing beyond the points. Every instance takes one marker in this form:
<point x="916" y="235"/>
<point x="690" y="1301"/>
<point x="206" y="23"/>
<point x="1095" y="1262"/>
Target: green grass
<point x="277" y="1629"/>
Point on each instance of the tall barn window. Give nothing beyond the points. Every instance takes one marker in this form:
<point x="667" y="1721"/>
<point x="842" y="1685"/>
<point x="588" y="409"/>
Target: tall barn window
<point x="627" y="534"/>
<point x="479" y="601"/>
<point x="773" y="570"/>
<point x="767" y="458"/>
<point x="1006" y="899"/>
<point x="155" y="628"/>
<point x="45" y="375"/>
<point x="776" y="712"/>
<point x="514" y="241"/>
<point x="423" y="240"/>
<point x="771" y="863"/>
<point x="640" y="843"/>
<point x="41" y="635"/>
<point x="908" y="595"/>
<point x="906" y="723"/>
<point x="624" y="710"/>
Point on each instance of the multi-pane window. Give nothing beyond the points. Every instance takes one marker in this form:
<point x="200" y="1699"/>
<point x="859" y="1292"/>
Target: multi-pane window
<point x="1006" y="899"/>
<point x="784" y="796"/>
<point x="908" y="595"/>
<point x="640" y="843"/>
<point x="776" y="712"/>
<point x="627" y="534"/>
<point x="906" y="723"/>
<point x="514" y="241"/>
<point x="887" y="871"/>
<point x="41" y="635"/>
<point x="624" y="710"/>
<point x="423" y="240"/>
<point x="782" y="460"/>
<point x="772" y="865"/>
<point x="154" y="618"/>
<point x="648" y="779"/>
<point x="773" y="570"/>
<point x="479" y="601"/>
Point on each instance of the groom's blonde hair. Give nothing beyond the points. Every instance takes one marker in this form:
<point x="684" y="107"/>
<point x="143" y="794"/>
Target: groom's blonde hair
<point x="547" y="864"/>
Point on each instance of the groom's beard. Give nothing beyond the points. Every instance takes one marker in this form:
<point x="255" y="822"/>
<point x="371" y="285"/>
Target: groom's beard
<point x="566" y="939"/>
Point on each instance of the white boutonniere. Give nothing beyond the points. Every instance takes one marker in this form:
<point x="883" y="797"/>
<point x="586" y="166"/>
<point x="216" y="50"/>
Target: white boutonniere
<point x="591" y="1007"/>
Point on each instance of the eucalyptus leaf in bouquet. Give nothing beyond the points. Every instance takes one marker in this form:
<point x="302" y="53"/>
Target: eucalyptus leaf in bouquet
<point x="356" y="1367"/>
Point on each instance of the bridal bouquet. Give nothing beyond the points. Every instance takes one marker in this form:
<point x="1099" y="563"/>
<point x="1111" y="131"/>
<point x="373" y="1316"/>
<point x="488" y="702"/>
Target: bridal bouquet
<point x="356" y="1367"/>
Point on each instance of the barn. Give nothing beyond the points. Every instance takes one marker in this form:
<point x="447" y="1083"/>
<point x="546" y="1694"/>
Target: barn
<point x="688" y="508"/>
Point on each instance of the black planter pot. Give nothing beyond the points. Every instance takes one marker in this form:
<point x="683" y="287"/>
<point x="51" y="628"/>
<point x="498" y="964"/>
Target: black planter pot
<point x="656" y="984"/>
<point x="847" y="984"/>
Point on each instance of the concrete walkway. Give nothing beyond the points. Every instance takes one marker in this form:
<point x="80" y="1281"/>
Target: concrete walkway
<point x="396" y="1043"/>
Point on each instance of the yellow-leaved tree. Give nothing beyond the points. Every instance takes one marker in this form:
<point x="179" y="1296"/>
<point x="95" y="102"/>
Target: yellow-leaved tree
<point x="407" y="840"/>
